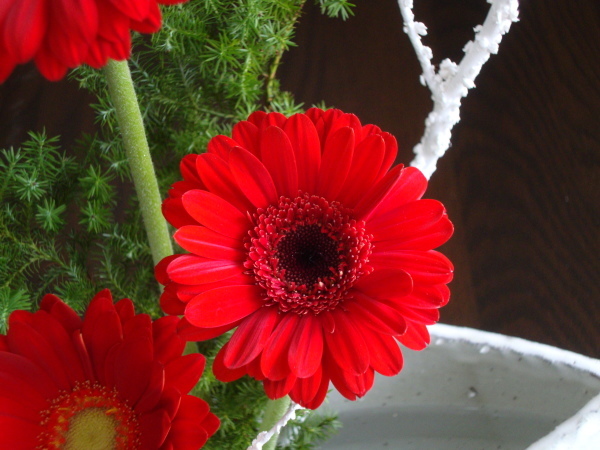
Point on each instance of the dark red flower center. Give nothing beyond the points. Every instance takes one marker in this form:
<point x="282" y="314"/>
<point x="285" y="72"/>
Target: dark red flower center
<point x="91" y="416"/>
<point x="307" y="253"/>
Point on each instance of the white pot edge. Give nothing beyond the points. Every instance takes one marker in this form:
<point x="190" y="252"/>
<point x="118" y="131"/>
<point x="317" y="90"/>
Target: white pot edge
<point x="582" y="430"/>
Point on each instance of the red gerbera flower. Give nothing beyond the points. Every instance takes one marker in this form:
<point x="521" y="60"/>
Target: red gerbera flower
<point x="62" y="34"/>
<point x="112" y="380"/>
<point x="302" y="237"/>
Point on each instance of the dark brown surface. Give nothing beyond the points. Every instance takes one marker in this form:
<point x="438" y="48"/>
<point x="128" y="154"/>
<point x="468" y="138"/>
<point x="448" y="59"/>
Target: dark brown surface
<point x="521" y="181"/>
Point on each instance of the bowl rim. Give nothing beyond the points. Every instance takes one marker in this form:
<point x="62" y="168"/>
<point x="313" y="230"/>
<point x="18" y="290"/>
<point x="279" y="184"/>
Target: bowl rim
<point x="518" y="345"/>
<point x="581" y="430"/>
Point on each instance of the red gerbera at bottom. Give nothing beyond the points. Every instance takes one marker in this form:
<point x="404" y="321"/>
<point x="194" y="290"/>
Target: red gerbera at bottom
<point x="111" y="380"/>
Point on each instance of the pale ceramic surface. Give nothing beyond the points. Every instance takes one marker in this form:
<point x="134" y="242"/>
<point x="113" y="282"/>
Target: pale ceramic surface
<point x="476" y="390"/>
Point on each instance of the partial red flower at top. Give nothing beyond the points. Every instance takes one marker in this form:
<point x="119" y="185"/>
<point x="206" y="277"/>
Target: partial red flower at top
<point x="302" y="236"/>
<point x="63" y="34"/>
<point x="112" y="380"/>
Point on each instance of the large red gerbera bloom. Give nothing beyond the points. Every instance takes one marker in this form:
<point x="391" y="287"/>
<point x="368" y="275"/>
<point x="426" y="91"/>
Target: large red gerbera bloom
<point x="112" y="380"/>
<point x="62" y="34"/>
<point x="302" y="237"/>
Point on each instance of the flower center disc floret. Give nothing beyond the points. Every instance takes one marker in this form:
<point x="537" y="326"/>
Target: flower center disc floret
<point x="307" y="253"/>
<point x="91" y="417"/>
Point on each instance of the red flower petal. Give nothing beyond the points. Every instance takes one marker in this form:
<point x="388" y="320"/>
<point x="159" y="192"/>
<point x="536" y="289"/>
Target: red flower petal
<point x="211" y="424"/>
<point x="72" y="30"/>
<point x="383" y="284"/>
<point x="274" y="358"/>
<point x="302" y="395"/>
<point x="346" y="345"/>
<point x="101" y="331"/>
<point x="307" y="388"/>
<point x="377" y="315"/>
<point x="221" y="146"/>
<point x="18" y="434"/>
<point x="207" y="243"/>
<point x="219" y="180"/>
<point x="407" y="220"/>
<point x="27" y="342"/>
<point x="427" y="297"/>
<point x="245" y="134"/>
<point x="21" y="379"/>
<point x="252" y="177"/>
<point x="429" y="267"/>
<point x="223" y="306"/>
<point x="416" y="336"/>
<point x="135" y="10"/>
<point x="61" y="312"/>
<point x="49" y="65"/>
<point x="151" y="23"/>
<point x="418" y="315"/>
<point x="160" y="270"/>
<point x="175" y="213"/>
<point x="410" y="187"/>
<point x="250" y="337"/>
<point x="215" y="213"/>
<point x="257" y="118"/>
<point x="222" y="372"/>
<point x="19" y="410"/>
<point x="188" y="170"/>
<point x="154" y="390"/>
<point x="193" y="424"/>
<point x="424" y="240"/>
<point x="24" y="27"/>
<point x="54" y="334"/>
<point x="307" y="149"/>
<point x="190" y="269"/>
<point x="335" y="165"/>
<point x="278" y="157"/>
<point x="368" y="156"/>
<point x="133" y="361"/>
<point x="154" y="428"/>
<point x="391" y="151"/>
<point x="367" y="206"/>
<point x="306" y="348"/>
<point x="166" y="348"/>
<point x="384" y="355"/>
<point x="352" y="385"/>
<point x="279" y="388"/>
<point x="184" y="372"/>
<point x="125" y="310"/>
<point x="189" y="332"/>
<point x="7" y="64"/>
<point x="170" y="303"/>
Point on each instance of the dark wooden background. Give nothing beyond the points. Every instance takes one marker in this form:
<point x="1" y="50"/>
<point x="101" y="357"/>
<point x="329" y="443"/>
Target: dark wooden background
<point x="521" y="181"/>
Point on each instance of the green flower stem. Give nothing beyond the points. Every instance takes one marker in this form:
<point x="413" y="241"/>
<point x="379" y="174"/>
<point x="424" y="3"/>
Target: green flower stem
<point x="122" y="93"/>
<point x="274" y="411"/>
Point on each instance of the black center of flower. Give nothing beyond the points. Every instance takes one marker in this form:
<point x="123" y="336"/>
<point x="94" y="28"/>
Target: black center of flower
<point x="307" y="255"/>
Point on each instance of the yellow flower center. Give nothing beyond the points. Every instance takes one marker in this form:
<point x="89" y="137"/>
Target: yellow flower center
<point x="93" y="429"/>
<point x="90" y="417"/>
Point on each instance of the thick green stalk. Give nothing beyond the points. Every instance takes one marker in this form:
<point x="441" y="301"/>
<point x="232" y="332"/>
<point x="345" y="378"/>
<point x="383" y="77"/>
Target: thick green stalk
<point x="122" y="93"/>
<point x="274" y="411"/>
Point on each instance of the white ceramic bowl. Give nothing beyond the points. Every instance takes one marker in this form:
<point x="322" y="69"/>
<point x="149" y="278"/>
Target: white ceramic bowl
<point x="476" y="390"/>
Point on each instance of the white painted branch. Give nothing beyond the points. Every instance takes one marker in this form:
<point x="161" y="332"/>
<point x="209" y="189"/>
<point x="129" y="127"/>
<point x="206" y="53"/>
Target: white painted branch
<point x="264" y="436"/>
<point x="451" y="83"/>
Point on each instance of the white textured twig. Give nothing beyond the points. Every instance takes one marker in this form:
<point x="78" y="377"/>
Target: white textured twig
<point x="452" y="82"/>
<point x="264" y="436"/>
